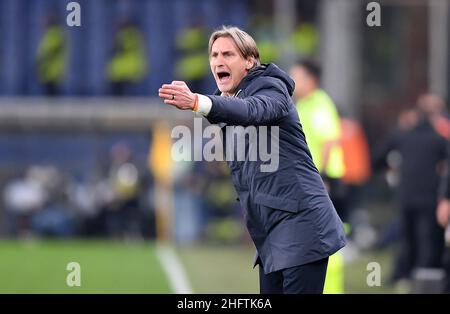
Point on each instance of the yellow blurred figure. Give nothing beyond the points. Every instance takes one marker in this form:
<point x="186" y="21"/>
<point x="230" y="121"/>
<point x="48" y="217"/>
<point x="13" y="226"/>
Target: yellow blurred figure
<point x="128" y="64"/>
<point x="305" y="39"/>
<point x="192" y="65"/>
<point x="51" y="56"/>
<point x="321" y="125"/>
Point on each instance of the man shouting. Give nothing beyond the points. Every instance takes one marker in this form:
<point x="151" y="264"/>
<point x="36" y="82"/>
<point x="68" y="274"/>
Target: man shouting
<point x="288" y="212"/>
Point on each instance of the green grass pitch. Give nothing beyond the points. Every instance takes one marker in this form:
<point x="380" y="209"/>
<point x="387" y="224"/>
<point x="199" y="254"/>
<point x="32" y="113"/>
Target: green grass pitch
<point x="105" y="267"/>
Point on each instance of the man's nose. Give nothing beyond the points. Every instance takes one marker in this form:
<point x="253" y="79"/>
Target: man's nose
<point x="218" y="61"/>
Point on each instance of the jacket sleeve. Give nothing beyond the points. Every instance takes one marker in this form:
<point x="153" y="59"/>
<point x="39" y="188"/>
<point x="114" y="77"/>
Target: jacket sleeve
<point x="266" y="105"/>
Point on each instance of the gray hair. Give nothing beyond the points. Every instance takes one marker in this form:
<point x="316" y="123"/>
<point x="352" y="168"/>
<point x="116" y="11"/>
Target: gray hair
<point x="244" y="42"/>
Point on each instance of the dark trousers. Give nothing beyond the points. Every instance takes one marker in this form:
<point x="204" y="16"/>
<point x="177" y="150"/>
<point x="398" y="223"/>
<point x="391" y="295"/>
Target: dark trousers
<point x="304" y="279"/>
<point x="446" y="263"/>
<point x="422" y="241"/>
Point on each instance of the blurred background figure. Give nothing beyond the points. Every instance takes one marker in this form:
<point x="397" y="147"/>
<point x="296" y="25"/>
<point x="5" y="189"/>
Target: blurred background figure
<point x="23" y="196"/>
<point x="56" y="217"/>
<point x="37" y="204"/>
<point x="265" y="39"/>
<point x="443" y="218"/>
<point x="305" y="39"/>
<point x="354" y="182"/>
<point x="321" y="124"/>
<point x="123" y="179"/>
<point x="357" y="161"/>
<point x="434" y="107"/>
<point x="390" y="162"/>
<point x="128" y="64"/>
<point x="192" y="65"/>
<point x="421" y="151"/>
<point x="52" y="56"/>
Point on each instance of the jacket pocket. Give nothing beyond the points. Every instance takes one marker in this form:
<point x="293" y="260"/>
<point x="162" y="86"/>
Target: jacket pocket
<point x="277" y="202"/>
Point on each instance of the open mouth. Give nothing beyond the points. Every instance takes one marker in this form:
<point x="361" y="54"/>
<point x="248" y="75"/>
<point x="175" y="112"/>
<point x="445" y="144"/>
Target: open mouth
<point x="223" y="76"/>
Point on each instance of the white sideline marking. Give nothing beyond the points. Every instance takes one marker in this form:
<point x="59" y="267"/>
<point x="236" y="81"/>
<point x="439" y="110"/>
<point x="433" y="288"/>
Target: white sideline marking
<point x="173" y="269"/>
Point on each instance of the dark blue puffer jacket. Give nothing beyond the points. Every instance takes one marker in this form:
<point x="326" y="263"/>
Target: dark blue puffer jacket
<point x="287" y="210"/>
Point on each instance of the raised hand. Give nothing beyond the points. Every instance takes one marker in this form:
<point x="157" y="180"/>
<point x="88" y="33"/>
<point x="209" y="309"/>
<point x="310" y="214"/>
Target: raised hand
<point x="177" y="94"/>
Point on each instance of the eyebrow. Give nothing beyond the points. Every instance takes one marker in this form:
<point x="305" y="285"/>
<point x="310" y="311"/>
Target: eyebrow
<point x="225" y="52"/>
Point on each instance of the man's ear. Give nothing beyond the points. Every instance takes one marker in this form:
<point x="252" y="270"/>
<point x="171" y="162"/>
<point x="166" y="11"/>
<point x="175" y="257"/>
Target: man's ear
<point x="249" y="64"/>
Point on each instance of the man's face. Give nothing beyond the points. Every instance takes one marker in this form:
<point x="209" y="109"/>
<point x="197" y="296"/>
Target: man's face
<point x="304" y="82"/>
<point x="227" y="65"/>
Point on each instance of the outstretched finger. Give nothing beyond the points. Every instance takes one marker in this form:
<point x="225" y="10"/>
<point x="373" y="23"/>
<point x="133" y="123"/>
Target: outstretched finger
<point x="169" y="90"/>
<point x="172" y="86"/>
<point x="179" y="83"/>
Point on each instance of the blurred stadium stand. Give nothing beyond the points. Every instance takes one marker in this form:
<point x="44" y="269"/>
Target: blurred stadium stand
<point x="22" y="26"/>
